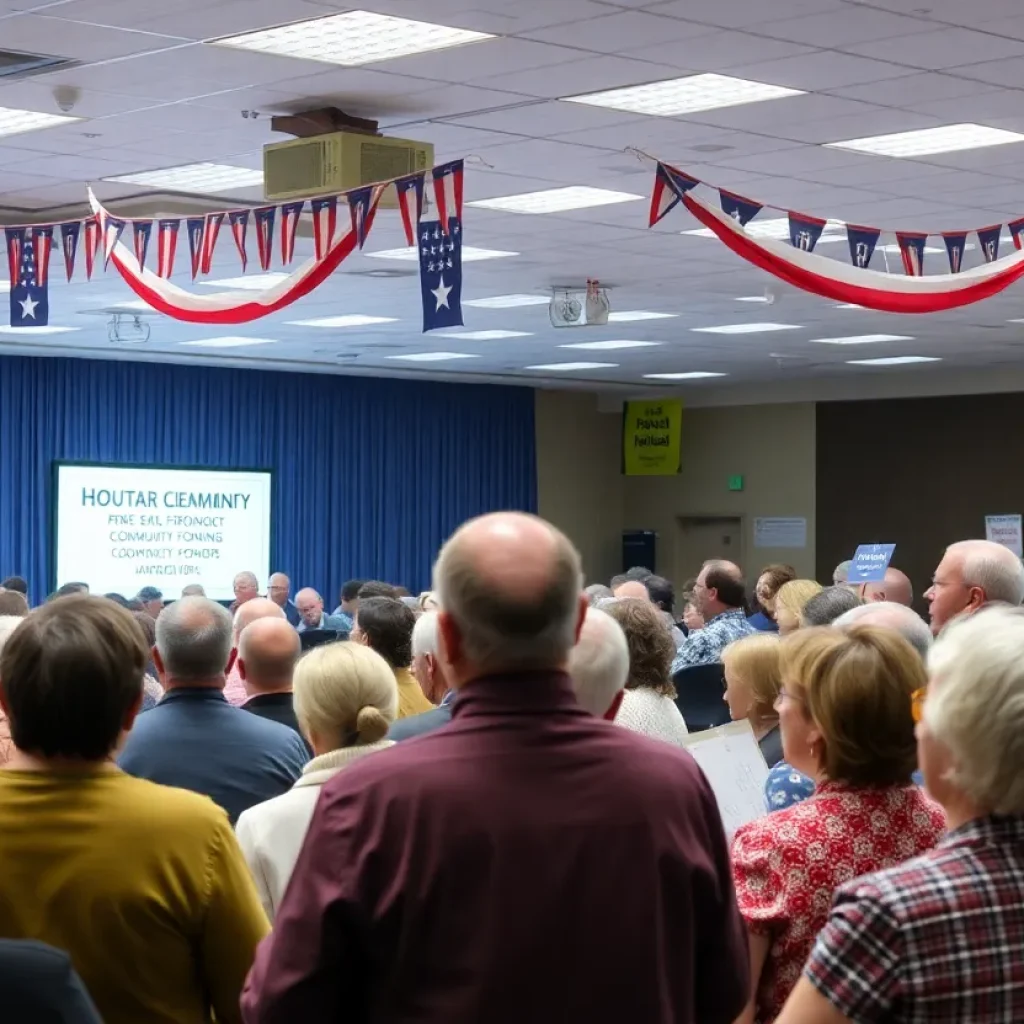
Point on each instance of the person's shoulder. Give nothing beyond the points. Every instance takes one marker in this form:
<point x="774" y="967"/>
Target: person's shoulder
<point x="267" y="816"/>
<point x="420" y="725"/>
<point x="151" y="803"/>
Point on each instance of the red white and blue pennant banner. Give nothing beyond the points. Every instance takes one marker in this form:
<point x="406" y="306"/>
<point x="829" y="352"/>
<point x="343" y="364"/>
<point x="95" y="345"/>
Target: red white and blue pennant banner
<point x="798" y="264"/>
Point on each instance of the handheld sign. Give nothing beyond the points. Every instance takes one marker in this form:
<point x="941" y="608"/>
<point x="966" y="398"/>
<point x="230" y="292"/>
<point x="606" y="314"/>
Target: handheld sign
<point x="870" y="562"/>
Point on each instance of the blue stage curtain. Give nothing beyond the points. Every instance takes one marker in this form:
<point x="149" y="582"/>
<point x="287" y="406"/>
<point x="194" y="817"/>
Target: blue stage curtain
<point x="370" y="475"/>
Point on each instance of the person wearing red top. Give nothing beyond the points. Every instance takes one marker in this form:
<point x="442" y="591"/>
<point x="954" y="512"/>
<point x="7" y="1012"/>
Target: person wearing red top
<point x="845" y="712"/>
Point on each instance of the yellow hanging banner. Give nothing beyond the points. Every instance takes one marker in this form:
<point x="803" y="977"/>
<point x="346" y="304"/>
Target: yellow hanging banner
<point x="651" y="437"/>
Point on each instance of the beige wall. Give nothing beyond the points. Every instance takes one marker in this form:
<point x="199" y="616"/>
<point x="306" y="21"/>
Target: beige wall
<point x="581" y="490"/>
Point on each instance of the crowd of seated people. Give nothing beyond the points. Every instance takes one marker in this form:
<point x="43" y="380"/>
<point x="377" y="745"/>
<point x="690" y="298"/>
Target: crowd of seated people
<point x="205" y="818"/>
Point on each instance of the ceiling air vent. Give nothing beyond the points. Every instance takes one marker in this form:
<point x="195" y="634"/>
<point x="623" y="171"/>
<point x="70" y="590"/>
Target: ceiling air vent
<point x="24" y="65"/>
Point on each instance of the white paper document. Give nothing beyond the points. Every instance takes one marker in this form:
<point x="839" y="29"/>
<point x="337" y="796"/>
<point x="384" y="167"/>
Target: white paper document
<point x="780" y="532"/>
<point x="732" y="761"/>
<point x="1005" y="530"/>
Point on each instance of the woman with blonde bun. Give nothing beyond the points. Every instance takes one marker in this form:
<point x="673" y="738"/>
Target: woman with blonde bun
<point x="345" y="698"/>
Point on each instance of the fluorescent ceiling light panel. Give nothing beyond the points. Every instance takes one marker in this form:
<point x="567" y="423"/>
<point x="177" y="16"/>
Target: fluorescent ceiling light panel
<point x="861" y="339"/>
<point x="483" y="335"/>
<point x="434" y="357"/>
<point x="556" y="200"/>
<point x="568" y="367"/>
<point x="609" y="346"/>
<point x="13" y="122"/>
<point x="690" y="375"/>
<point x="893" y="361"/>
<point x="848" y="305"/>
<point x="628" y="316"/>
<point x="229" y="342"/>
<point x="348" y="320"/>
<point x="686" y="95"/>
<point x="353" y="38"/>
<point x="778" y="228"/>
<point x="927" y="141"/>
<point x="251" y="283"/>
<point x="53" y="329"/>
<point x="508" y="301"/>
<point x="754" y="298"/>
<point x="469" y="255"/>
<point x="746" y="328"/>
<point x="203" y="177"/>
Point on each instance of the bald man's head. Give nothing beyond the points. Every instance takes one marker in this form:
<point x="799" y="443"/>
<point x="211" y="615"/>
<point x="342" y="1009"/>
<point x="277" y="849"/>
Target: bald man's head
<point x="257" y="608"/>
<point x="509" y="585"/>
<point x="268" y="650"/>
<point x="895" y="588"/>
<point x="311" y="607"/>
<point x="633" y="588"/>
<point x="719" y="588"/>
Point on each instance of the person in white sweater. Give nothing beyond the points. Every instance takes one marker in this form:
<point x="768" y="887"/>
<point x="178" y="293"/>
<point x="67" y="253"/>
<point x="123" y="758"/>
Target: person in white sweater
<point x="648" y="705"/>
<point x="345" y="698"/>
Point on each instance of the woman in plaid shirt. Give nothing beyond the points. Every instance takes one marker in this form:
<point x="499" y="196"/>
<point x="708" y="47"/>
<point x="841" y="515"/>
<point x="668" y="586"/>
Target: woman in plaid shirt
<point x="941" y="938"/>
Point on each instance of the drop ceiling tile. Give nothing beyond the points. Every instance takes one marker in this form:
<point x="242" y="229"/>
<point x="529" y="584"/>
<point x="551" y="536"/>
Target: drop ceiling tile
<point x="837" y="28"/>
<point x="775" y="116"/>
<point x="32" y="33"/>
<point x="542" y="119"/>
<point x="823" y="69"/>
<point x="719" y="51"/>
<point x="478" y="60"/>
<point x="921" y="88"/>
<point x="575" y="77"/>
<point x="223" y="19"/>
<point x="881" y="122"/>
<point x="945" y="48"/>
<point x="616" y="32"/>
<point x="741" y="13"/>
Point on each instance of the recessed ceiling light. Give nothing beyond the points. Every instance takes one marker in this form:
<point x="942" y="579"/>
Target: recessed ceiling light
<point x="893" y="360"/>
<point x="628" y="316"/>
<point x="37" y="330"/>
<point x="348" y="320"/>
<point x="686" y="95"/>
<point x="434" y="357"/>
<point x="483" y="335"/>
<point x="353" y="38"/>
<point x="13" y="122"/>
<point x="778" y="228"/>
<point x="508" y="301"/>
<point x="861" y="339"/>
<point x="746" y="328"/>
<point x="469" y="254"/>
<point x="611" y="345"/>
<point x="556" y="200"/>
<point x="566" y="367"/>
<point x="925" y="141"/>
<point x="250" y="283"/>
<point x="690" y="375"/>
<point x="204" y="177"/>
<point x="229" y="342"/>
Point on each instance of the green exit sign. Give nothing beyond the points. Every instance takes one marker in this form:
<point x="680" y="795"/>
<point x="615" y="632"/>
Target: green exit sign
<point x="736" y="483"/>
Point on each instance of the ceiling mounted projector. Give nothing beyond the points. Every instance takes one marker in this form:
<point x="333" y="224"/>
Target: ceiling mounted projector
<point x="579" y="307"/>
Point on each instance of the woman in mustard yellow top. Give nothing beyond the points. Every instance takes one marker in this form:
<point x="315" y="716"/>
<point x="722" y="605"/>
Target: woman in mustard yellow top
<point x="143" y="886"/>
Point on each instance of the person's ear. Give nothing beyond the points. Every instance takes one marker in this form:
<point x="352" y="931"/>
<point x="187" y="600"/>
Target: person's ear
<point x="975" y="598"/>
<point x="613" y="708"/>
<point x="450" y="638"/>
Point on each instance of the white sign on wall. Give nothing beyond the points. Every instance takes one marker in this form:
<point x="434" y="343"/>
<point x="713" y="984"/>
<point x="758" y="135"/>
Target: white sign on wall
<point x="1005" y="530"/>
<point x="780" y="532"/>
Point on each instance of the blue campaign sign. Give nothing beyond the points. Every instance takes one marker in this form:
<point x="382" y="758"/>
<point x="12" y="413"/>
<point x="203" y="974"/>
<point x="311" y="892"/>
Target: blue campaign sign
<point x="870" y="562"/>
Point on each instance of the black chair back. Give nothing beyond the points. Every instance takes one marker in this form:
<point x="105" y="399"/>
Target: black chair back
<point x="310" y="638"/>
<point x="699" y="693"/>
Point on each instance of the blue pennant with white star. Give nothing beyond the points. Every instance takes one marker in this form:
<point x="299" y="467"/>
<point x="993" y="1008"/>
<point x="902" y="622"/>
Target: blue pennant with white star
<point x="441" y="273"/>
<point x="30" y="301"/>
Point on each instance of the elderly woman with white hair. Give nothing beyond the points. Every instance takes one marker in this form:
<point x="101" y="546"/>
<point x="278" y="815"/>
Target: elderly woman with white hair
<point x="345" y="698"/>
<point x="939" y="938"/>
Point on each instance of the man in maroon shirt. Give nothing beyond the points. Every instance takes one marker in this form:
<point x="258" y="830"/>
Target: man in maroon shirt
<point x="529" y="862"/>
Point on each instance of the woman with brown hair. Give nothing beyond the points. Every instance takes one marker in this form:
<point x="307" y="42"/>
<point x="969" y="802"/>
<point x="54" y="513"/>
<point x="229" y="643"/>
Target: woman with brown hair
<point x="648" y="705"/>
<point x="845" y="710"/>
<point x="769" y="580"/>
<point x="752" y="683"/>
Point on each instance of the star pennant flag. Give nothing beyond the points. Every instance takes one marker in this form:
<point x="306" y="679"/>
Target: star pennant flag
<point x="113" y="229"/>
<point x="92" y="245"/>
<point x="988" y="239"/>
<point x="196" y="229"/>
<point x="211" y="229"/>
<point x="911" y="245"/>
<point x="410" y="203"/>
<point x="1016" y="227"/>
<point x="142" y="230"/>
<point x="441" y="274"/>
<point x="862" y="244"/>
<point x="69" y="235"/>
<point x="239" y="221"/>
<point x="362" y="204"/>
<point x="956" y="243"/>
<point x="670" y="185"/>
<point x="741" y="210"/>
<point x="448" y="193"/>
<point x="805" y="231"/>
<point x="290" y="213"/>
<point x="166" y="246"/>
<point x="264" y="221"/>
<point x="325" y="224"/>
<point x="30" y="302"/>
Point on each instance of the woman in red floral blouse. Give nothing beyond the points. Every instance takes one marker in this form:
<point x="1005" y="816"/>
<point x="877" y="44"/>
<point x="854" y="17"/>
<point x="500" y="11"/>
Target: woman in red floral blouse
<point x="847" y="722"/>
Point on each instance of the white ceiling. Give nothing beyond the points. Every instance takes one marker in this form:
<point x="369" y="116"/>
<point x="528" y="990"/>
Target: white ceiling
<point x="154" y="95"/>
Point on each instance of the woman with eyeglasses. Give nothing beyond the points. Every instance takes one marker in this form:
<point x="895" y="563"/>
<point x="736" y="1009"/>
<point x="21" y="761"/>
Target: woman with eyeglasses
<point x="845" y="711"/>
<point x="941" y="937"/>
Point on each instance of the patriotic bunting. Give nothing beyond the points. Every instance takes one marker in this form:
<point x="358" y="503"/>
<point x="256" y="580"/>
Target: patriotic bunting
<point x="264" y="218"/>
<point x="988" y="239"/>
<point x="1016" y="227"/>
<point x="805" y="231"/>
<point x="741" y="210"/>
<point x="211" y="229"/>
<point x="290" y="213"/>
<point x="239" y="221"/>
<point x="166" y="245"/>
<point x="92" y="245"/>
<point x="29" y="301"/>
<point x="42" y="236"/>
<point x="141" y="231"/>
<point x="195" y="227"/>
<point x="69" y="235"/>
<point x="448" y="193"/>
<point x="670" y="185"/>
<point x="410" y="203"/>
<point x="325" y="223"/>
<point x="862" y="244"/>
<point x="113" y="228"/>
<point x="911" y="245"/>
<point x="956" y="244"/>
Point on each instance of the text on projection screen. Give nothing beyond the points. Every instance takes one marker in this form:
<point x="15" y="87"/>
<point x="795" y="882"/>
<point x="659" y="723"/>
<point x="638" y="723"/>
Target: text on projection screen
<point x="121" y="528"/>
